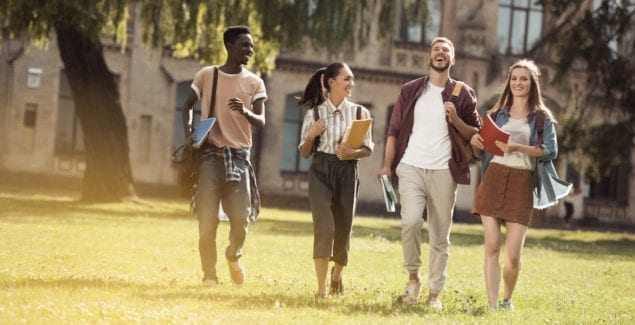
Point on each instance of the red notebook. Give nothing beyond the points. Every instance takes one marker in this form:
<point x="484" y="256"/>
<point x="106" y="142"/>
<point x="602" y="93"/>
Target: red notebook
<point x="490" y="132"/>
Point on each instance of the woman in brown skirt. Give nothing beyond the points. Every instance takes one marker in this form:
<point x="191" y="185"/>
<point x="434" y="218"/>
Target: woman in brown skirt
<point x="504" y="196"/>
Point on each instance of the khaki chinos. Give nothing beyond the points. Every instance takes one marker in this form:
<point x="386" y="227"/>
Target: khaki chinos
<point x="434" y="190"/>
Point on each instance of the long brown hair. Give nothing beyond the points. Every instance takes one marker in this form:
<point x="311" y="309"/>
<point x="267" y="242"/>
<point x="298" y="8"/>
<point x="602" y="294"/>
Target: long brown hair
<point x="319" y="84"/>
<point x="536" y="103"/>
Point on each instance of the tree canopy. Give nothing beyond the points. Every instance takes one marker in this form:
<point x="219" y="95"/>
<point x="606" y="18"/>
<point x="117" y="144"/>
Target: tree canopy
<point x="600" y="43"/>
<point x="191" y="28"/>
<point x="194" y="28"/>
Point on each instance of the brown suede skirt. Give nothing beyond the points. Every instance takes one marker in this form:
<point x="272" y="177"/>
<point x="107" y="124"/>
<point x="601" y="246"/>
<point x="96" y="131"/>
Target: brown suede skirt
<point x="505" y="194"/>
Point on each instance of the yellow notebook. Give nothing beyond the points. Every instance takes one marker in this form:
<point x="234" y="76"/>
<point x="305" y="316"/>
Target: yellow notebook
<point x="356" y="133"/>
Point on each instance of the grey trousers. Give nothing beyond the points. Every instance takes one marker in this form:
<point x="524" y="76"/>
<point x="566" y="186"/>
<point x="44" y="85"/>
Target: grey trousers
<point x="333" y="185"/>
<point x="211" y="191"/>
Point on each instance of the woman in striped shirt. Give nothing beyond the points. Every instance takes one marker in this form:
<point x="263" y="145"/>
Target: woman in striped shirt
<point x="333" y="176"/>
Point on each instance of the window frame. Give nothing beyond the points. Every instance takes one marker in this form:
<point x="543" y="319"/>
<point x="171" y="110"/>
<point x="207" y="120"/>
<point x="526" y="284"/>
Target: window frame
<point x="76" y="144"/>
<point x="403" y="22"/>
<point x="178" y="136"/>
<point x="297" y="163"/>
<point x="527" y="9"/>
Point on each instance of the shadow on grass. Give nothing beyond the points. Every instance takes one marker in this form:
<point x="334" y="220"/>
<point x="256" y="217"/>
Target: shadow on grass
<point x="285" y="300"/>
<point x="362" y="303"/>
<point x="620" y="246"/>
<point x="16" y="206"/>
<point x="389" y="233"/>
<point x="600" y="248"/>
<point x="242" y="300"/>
<point x="67" y="208"/>
<point x="76" y="283"/>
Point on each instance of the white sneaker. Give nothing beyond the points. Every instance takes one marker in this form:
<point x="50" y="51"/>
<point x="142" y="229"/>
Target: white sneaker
<point x="507" y="305"/>
<point x="411" y="293"/>
<point x="210" y="283"/>
<point x="435" y="304"/>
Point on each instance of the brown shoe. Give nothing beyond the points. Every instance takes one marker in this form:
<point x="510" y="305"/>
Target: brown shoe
<point x="237" y="272"/>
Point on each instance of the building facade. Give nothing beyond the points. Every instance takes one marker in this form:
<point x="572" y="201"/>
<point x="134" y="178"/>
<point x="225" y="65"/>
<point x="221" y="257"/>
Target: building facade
<point x="40" y="133"/>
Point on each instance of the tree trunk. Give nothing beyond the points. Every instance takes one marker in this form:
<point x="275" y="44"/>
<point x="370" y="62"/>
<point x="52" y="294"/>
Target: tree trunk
<point x="108" y="176"/>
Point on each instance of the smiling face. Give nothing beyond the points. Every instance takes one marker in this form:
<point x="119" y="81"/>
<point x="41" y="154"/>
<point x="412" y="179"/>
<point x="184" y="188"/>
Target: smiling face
<point x="343" y="83"/>
<point x="520" y="82"/>
<point x="441" y="56"/>
<point x="241" y="49"/>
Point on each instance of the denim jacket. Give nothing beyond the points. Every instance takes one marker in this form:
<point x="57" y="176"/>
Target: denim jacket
<point x="547" y="188"/>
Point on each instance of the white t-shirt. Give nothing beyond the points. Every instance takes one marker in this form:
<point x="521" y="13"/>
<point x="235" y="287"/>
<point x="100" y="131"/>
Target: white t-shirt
<point x="429" y="145"/>
<point x="520" y="133"/>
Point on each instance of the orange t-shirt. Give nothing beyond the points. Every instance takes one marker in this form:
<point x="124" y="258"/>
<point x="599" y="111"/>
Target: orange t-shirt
<point x="231" y="129"/>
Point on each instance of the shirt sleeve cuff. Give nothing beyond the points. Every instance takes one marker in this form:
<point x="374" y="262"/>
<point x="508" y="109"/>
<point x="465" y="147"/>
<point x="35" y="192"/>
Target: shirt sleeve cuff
<point x="197" y="91"/>
<point x="259" y="96"/>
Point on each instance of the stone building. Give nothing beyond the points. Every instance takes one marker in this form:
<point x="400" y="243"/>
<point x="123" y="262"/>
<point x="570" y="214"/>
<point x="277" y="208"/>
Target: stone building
<point x="39" y="133"/>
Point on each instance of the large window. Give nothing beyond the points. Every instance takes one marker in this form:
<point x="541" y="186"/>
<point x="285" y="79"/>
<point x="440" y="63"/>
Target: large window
<point x="183" y="90"/>
<point x="613" y="187"/>
<point x="292" y="161"/>
<point x="69" y="137"/>
<point x="519" y="25"/>
<point x="419" y="20"/>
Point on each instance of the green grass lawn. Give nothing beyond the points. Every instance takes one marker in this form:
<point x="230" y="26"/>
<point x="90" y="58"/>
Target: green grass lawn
<point x="65" y="262"/>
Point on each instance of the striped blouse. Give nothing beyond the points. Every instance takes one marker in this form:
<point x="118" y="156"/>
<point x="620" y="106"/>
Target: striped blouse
<point x="337" y="120"/>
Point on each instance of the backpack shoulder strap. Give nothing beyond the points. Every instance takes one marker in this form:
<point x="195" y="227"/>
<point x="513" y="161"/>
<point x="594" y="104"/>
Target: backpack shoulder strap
<point x="316" y="141"/>
<point x="212" y="102"/>
<point x="540" y="126"/>
<point x="457" y="91"/>
<point x="359" y="113"/>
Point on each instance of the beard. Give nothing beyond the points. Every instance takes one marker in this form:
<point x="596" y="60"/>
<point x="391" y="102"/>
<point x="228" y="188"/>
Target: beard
<point x="439" y="69"/>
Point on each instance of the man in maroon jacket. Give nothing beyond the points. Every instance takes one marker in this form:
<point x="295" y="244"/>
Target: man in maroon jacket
<point x="424" y="150"/>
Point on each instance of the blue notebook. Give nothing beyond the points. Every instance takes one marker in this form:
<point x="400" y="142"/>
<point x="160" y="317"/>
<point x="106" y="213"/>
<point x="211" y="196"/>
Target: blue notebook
<point x="202" y="130"/>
